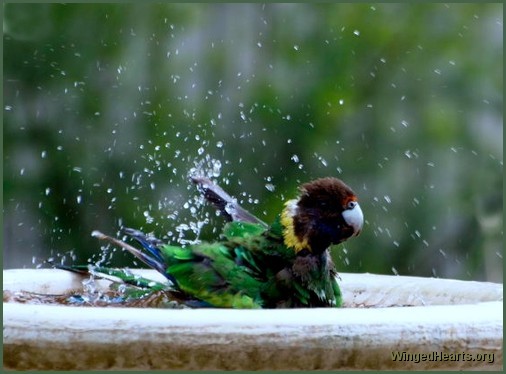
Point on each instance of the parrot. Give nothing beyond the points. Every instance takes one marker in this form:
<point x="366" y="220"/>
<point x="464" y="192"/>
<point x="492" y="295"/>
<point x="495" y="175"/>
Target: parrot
<point x="285" y="264"/>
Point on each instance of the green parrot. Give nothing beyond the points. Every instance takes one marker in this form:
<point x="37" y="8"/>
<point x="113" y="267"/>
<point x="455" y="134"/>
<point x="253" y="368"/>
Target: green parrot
<point x="286" y="264"/>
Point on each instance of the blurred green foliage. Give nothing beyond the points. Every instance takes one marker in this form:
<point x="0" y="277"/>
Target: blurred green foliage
<point x="107" y="107"/>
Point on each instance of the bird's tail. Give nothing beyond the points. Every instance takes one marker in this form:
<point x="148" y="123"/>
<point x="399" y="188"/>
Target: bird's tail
<point x="113" y="275"/>
<point x="153" y="258"/>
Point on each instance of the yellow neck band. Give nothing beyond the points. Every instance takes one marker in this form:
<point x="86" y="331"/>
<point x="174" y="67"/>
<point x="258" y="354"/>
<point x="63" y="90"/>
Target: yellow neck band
<point x="290" y="239"/>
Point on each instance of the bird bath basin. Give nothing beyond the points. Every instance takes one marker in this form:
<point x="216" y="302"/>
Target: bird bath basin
<point x="388" y="322"/>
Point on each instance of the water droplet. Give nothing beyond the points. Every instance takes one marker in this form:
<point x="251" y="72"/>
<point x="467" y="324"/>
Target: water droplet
<point x="216" y="168"/>
<point x="149" y="219"/>
<point x="270" y="187"/>
<point x="356" y="32"/>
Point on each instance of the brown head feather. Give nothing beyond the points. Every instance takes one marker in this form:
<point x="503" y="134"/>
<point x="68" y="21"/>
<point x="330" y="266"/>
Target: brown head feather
<point x="319" y="221"/>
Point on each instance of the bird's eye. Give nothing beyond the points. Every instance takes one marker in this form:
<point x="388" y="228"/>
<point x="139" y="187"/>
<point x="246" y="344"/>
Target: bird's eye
<point x="351" y="205"/>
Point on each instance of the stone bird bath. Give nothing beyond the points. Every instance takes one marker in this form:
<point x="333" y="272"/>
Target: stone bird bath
<point x="458" y="325"/>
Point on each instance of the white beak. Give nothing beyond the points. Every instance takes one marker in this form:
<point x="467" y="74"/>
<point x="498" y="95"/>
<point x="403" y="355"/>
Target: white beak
<point x="355" y="218"/>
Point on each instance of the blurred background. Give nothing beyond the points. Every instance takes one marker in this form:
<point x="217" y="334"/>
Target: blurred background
<point x="109" y="108"/>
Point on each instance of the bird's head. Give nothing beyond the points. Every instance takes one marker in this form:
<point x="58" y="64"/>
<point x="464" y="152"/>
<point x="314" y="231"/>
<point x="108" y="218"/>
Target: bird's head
<point x="326" y="212"/>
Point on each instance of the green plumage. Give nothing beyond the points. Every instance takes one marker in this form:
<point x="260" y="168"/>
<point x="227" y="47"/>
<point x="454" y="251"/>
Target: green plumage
<point x="250" y="267"/>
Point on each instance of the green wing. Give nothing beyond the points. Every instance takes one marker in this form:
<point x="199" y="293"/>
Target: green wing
<point x="238" y="272"/>
<point x="211" y="273"/>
